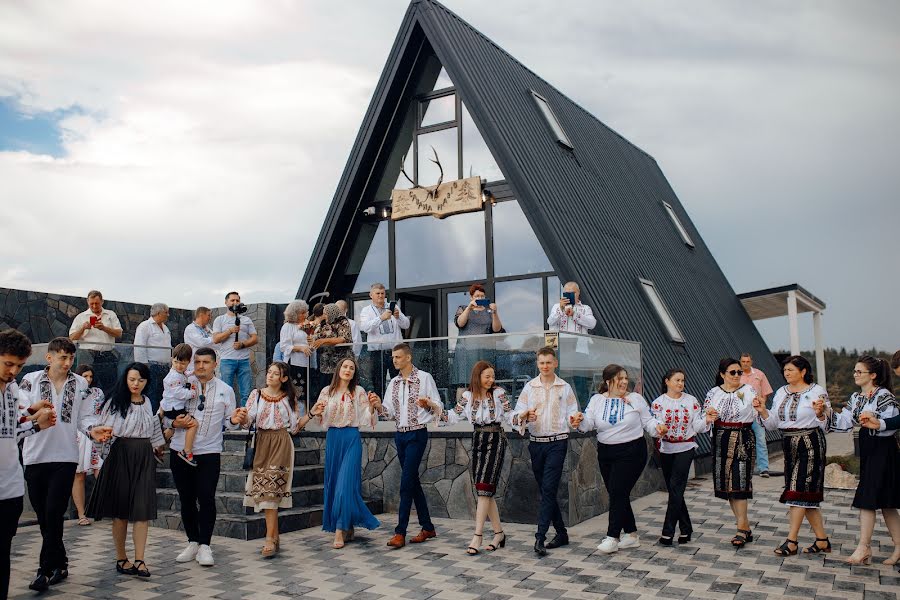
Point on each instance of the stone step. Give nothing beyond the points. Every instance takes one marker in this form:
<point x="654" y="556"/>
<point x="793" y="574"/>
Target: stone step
<point x="252" y="527"/>
<point x="232" y="503"/>
<point x="233" y="480"/>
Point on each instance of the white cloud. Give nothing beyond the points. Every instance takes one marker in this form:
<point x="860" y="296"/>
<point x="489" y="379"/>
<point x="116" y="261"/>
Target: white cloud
<point x="209" y="137"/>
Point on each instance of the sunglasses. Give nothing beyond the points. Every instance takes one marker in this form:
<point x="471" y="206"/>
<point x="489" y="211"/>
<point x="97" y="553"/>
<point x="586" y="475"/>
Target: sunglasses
<point x="733" y="373"/>
<point x="202" y="404"/>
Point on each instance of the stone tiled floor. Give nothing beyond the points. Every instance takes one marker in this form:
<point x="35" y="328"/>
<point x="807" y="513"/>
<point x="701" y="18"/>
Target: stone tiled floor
<point x="365" y="569"/>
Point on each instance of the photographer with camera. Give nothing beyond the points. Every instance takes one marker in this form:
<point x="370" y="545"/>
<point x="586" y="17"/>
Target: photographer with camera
<point x="236" y="335"/>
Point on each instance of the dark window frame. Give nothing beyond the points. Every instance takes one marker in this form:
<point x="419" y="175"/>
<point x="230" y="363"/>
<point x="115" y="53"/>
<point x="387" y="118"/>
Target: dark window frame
<point x="646" y="285"/>
<point x="553" y="122"/>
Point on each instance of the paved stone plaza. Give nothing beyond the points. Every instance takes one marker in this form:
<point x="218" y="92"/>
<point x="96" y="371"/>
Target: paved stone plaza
<point x="366" y="569"/>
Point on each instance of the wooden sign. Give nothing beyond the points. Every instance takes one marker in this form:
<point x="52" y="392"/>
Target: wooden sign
<point x="451" y="198"/>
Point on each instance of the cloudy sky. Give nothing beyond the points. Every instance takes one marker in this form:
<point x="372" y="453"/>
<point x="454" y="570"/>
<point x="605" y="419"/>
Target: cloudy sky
<point x="171" y="151"/>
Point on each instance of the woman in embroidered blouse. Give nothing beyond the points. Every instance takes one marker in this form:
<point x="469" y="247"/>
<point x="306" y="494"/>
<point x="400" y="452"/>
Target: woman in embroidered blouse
<point x="342" y="408"/>
<point x="486" y="407"/>
<point x="800" y="410"/>
<point x="730" y="404"/>
<point x="89" y="460"/>
<point x="879" y="468"/>
<point x="277" y="415"/>
<point x="684" y="418"/>
<point x="294" y="344"/>
<point x="334" y="329"/>
<point x="126" y="487"/>
<point x="620" y="419"/>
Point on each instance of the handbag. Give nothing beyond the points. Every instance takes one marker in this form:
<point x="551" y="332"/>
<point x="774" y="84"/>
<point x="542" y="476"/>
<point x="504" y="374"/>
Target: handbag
<point x="250" y="447"/>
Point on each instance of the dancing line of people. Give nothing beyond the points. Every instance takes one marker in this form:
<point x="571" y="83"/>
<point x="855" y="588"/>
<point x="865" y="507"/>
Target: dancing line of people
<point x="68" y="427"/>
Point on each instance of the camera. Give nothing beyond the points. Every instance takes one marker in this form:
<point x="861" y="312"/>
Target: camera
<point x="239" y="308"/>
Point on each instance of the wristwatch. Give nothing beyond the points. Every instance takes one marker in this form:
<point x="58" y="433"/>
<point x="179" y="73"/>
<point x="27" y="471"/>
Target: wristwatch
<point x="36" y="426"/>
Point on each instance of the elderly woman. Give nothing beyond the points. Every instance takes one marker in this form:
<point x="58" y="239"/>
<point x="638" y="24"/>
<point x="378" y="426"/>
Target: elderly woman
<point x="334" y="329"/>
<point x="294" y="344"/>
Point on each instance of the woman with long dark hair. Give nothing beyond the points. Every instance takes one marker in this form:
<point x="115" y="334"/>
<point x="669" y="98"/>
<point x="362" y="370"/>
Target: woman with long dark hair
<point x="684" y="418"/>
<point x="486" y="407"/>
<point x="126" y="487"/>
<point x="730" y="405"/>
<point x="620" y="418"/>
<point x="879" y="464"/>
<point x="277" y="415"/>
<point x="342" y="408"/>
<point x="800" y="409"/>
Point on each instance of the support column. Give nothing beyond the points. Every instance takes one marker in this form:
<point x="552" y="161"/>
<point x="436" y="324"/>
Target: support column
<point x="792" y="322"/>
<point x="820" y="351"/>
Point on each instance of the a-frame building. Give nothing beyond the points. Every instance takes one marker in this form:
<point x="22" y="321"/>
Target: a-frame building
<point x="575" y="201"/>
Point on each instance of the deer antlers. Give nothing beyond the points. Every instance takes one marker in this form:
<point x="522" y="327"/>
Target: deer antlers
<point x="432" y="191"/>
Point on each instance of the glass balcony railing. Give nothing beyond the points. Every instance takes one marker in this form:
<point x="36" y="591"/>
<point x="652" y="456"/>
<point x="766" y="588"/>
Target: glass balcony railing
<point x="448" y="359"/>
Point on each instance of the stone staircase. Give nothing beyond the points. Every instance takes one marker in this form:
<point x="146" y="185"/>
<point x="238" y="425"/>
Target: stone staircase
<point x="233" y="519"/>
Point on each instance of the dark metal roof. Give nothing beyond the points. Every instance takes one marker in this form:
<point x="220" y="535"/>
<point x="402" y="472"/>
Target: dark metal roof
<point x="597" y="209"/>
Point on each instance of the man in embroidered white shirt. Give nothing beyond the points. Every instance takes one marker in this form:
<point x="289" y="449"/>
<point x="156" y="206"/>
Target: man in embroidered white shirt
<point x="412" y="400"/>
<point x="153" y="347"/>
<point x="383" y="331"/>
<point x="198" y="334"/>
<point x="573" y="317"/>
<point x="214" y="410"/>
<point x="548" y="408"/>
<point x="96" y="331"/>
<point x="50" y="459"/>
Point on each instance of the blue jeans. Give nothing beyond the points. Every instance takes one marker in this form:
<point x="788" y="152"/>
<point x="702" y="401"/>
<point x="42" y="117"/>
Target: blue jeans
<point x="410" y="449"/>
<point x="230" y="367"/>
<point x="762" y="452"/>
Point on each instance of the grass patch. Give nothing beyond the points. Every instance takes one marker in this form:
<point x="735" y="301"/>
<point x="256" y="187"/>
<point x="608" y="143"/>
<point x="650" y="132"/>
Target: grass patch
<point x="849" y="463"/>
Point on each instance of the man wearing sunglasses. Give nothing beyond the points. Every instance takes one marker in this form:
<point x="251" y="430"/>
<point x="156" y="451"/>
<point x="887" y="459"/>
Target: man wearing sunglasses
<point x="196" y="486"/>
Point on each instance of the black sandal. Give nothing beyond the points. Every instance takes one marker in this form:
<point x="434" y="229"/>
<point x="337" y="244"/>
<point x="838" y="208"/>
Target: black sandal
<point x="471" y="551"/>
<point x="684" y="539"/>
<point x="739" y="541"/>
<point x="502" y="544"/>
<point x="665" y="541"/>
<point x="785" y="548"/>
<point x="120" y="567"/>
<point x="816" y="549"/>
<point x="145" y="572"/>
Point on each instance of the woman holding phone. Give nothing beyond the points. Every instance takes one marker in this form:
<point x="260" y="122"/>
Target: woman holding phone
<point x="478" y="317"/>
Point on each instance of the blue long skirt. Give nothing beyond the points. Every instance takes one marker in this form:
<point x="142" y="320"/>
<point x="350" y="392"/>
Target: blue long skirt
<point x="344" y="506"/>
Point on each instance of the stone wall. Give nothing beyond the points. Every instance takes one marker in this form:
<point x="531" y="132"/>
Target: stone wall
<point x="448" y="486"/>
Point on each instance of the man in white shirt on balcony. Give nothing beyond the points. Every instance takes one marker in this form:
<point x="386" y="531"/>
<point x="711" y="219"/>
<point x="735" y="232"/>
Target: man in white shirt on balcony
<point x="96" y="331"/>
<point x="383" y="330"/>
<point x="153" y="347"/>
<point x="572" y="317"/>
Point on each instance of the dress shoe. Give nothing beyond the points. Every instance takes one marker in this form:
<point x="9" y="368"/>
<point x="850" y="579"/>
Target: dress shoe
<point x="40" y="583"/>
<point x="57" y="575"/>
<point x="560" y="539"/>
<point x="539" y="548"/>
<point x="398" y="541"/>
<point x="422" y="536"/>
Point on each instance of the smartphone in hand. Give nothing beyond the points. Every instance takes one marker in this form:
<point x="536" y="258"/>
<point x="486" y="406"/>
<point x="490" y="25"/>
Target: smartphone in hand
<point x="392" y="305"/>
<point x="485" y="302"/>
<point x="570" y="296"/>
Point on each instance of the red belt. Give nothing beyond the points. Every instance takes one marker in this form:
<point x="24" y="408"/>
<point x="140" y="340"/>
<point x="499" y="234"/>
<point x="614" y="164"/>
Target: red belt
<point x="690" y="439"/>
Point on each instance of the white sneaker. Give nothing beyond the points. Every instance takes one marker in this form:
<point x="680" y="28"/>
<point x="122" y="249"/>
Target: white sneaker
<point x="629" y="540"/>
<point x="608" y="545"/>
<point x="188" y="554"/>
<point x="204" y="556"/>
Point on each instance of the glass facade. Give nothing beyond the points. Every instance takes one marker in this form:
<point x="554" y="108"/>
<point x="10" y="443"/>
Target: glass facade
<point x="520" y="304"/>
<point x="371" y="250"/>
<point x="431" y="251"/>
<point x="477" y="158"/>
<point x="444" y="143"/>
<point x="438" y="110"/>
<point x="517" y="250"/>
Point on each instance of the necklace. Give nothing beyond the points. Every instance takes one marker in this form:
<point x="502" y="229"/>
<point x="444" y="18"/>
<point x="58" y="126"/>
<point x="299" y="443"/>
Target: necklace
<point x="269" y="398"/>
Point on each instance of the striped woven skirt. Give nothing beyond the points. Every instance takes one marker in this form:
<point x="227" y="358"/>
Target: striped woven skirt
<point x="488" y="449"/>
<point x="804" y="467"/>
<point x="734" y="454"/>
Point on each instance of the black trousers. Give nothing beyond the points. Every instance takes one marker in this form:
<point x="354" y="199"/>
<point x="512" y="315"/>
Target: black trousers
<point x="621" y="466"/>
<point x="49" y="489"/>
<point x="547" y="460"/>
<point x="158" y="372"/>
<point x="197" y="491"/>
<point x="10" y="511"/>
<point x="379" y="361"/>
<point x="675" y="468"/>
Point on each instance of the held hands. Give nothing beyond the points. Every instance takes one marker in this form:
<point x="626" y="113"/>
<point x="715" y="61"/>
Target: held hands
<point x="424" y="402"/>
<point x="46" y="417"/>
<point x="819" y="406"/>
<point x="34" y="408"/>
<point x="374" y="401"/>
<point x="662" y="429"/>
<point x="869" y="420"/>
<point x="102" y="433"/>
<point x="575" y="420"/>
<point x="240" y="416"/>
<point x="711" y="415"/>
<point x="317" y="409"/>
<point x="758" y="406"/>
<point x="531" y="415"/>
